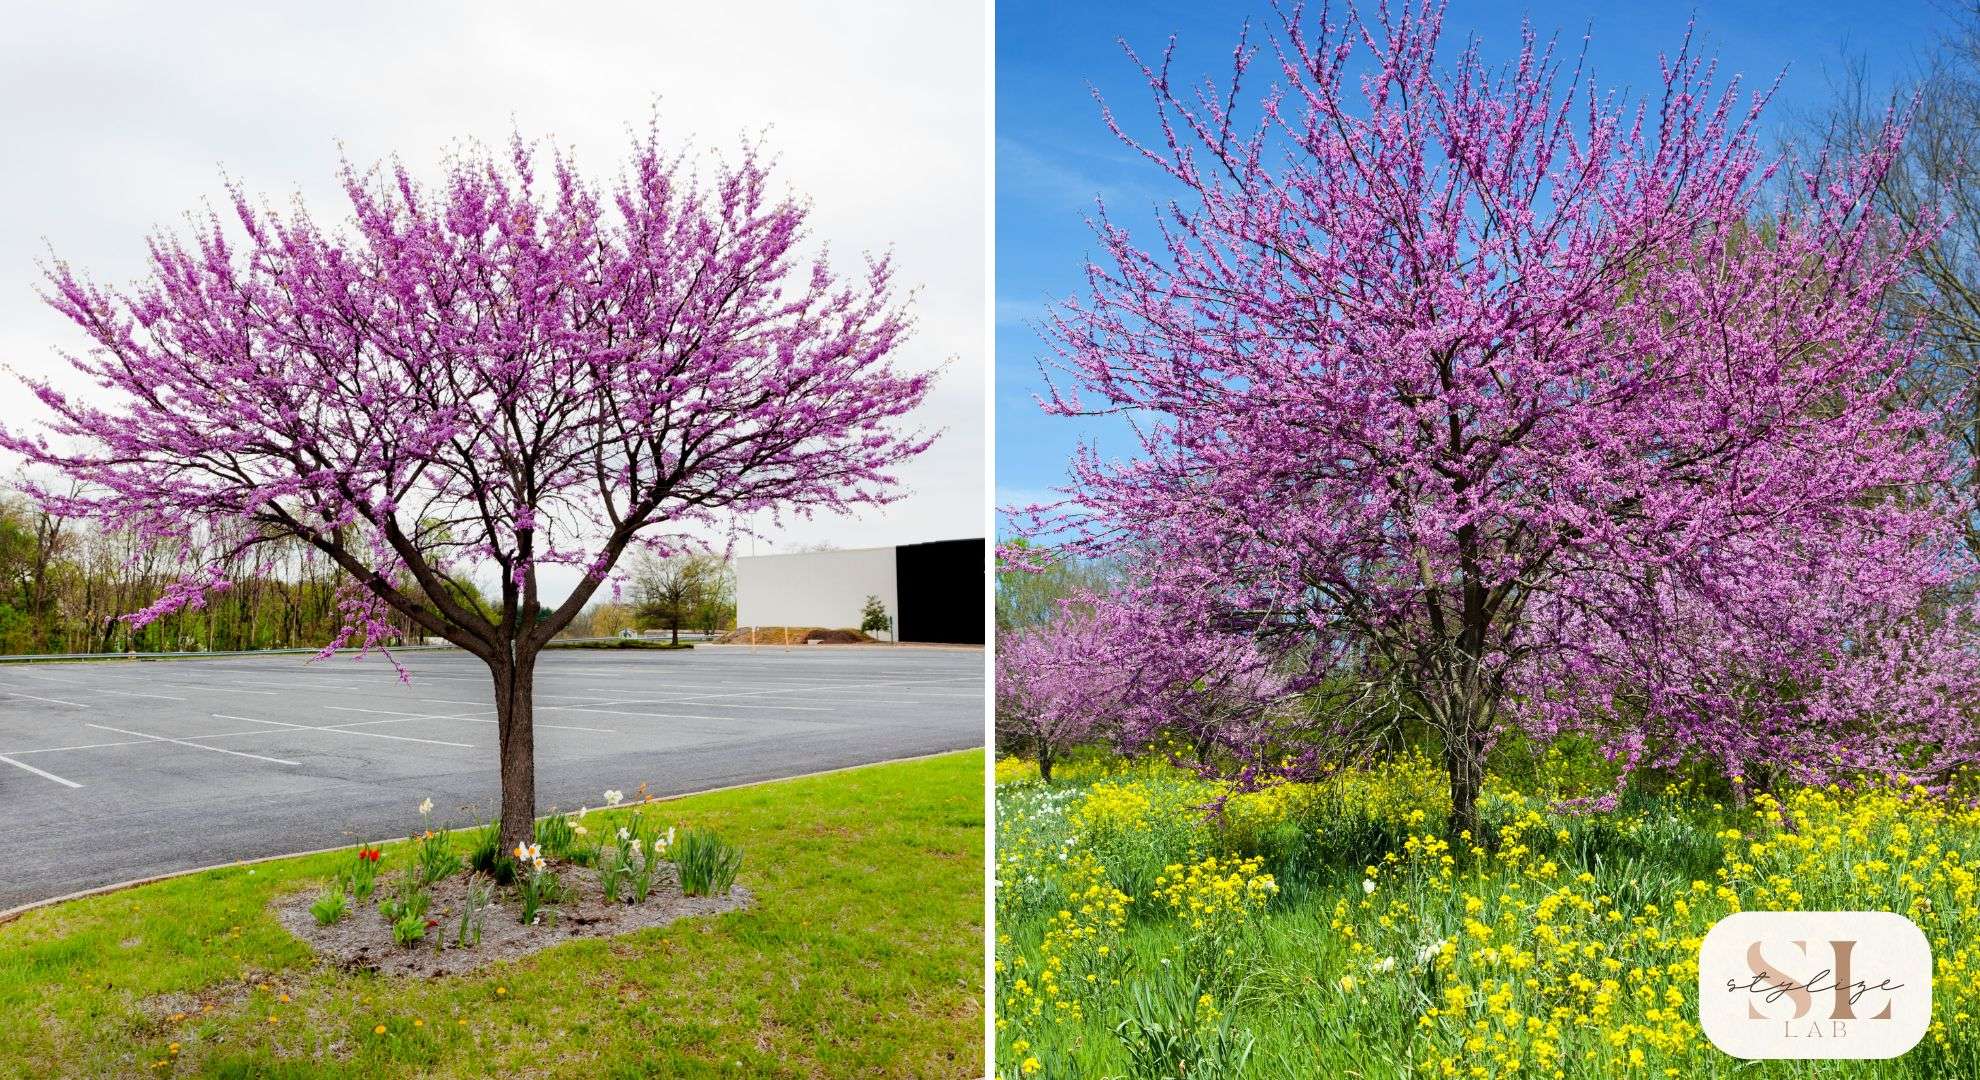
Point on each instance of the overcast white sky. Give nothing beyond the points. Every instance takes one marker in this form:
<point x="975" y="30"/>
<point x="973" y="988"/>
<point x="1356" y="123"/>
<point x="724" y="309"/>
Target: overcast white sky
<point x="120" y="117"/>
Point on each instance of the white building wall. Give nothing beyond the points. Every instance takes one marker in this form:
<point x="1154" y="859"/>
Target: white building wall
<point x="815" y="588"/>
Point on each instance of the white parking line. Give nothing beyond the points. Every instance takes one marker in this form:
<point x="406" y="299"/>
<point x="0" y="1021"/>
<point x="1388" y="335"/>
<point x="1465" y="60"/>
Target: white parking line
<point x="586" y="709"/>
<point x="128" y="693"/>
<point x="219" y="689"/>
<point x="194" y="745"/>
<point x="93" y="689"/>
<point x="52" y="701"/>
<point x="133" y="742"/>
<point x="398" y="717"/>
<point x="289" y="686"/>
<point x="38" y="772"/>
<point x="694" y="700"/>
<point x="843" y="687"/>
<point x="344" y="731"/>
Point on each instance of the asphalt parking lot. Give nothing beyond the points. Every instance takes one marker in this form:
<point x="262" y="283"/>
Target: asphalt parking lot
<point x="114" y="770"/>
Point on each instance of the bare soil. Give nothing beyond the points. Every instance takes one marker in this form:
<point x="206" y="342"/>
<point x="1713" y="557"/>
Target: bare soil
<point x="792" y="635"/>
<point x="362" y="939"/>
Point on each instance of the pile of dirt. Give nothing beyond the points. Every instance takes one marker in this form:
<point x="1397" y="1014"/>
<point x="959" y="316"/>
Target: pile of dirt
<point x="362" y="940"/>
<point x="792" y="635"/>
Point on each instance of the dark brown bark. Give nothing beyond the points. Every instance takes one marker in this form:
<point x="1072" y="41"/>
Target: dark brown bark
<point x="516" y="732"/>
<point x="1464" y="761"/>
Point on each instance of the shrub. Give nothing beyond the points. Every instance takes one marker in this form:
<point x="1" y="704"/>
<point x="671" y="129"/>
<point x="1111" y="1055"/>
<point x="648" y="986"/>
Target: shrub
<point x="707" y="864"/>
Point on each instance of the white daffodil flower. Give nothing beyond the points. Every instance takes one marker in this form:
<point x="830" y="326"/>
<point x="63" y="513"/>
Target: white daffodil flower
<point x="614" y="798"/>
<point x="426" y="808"/>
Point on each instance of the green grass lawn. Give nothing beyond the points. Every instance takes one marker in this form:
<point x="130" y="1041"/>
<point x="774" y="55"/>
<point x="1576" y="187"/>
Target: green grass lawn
<point x="861" y="957"/>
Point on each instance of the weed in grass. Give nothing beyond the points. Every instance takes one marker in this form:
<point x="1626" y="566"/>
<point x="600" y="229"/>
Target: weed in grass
<point x="330" y="907"/>
<point x="706" y="862"/>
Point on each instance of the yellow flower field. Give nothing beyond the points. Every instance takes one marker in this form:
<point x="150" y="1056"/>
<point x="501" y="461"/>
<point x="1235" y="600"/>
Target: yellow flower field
<point x="1151" y="923"/>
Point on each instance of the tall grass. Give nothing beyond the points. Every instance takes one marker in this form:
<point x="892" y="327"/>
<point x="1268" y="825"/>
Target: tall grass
<point x="1138" y="936"/>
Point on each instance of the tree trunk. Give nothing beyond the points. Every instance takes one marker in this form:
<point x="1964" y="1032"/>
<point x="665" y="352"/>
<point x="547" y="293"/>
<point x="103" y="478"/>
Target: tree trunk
<point x="1464" y="761"/>
<point x="677" y="631"/>
<point x="1045" y="765"/>
<point x="516" y="730"/>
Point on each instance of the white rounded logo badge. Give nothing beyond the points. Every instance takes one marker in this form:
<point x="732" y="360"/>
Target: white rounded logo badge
<point x="1815" y="984"/>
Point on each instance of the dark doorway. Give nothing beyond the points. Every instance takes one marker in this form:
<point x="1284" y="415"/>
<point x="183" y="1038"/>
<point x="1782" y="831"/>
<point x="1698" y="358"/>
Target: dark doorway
<point x="941" y="591"/>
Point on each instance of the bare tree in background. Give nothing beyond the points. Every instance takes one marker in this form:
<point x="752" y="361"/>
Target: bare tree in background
<point x="672" y="590"/>
<point x="1937" y="173"/>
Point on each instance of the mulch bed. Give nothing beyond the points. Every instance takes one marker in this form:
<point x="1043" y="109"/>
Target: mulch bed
<point x="362" y="940"/>
<point x="792" y="635"/>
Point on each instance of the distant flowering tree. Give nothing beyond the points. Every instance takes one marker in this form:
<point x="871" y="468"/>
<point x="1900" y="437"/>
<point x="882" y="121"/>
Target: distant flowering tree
<point x="1057" y="687"/>
<point x="1216" y="693"/>
<point x="1516" y="394"/>
<point x="514" y="369"/>
<point x="1112" y="668"/>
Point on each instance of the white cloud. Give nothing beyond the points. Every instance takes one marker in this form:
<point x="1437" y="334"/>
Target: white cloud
<point x="122" y="117"/>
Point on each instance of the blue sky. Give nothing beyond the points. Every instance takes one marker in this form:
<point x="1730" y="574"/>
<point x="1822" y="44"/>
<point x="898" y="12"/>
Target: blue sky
<point x="1054" y="156"/>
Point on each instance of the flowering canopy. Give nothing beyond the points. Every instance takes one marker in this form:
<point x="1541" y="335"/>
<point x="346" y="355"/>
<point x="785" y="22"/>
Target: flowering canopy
<point x="1518" y="394"/>
<point x="1057" y="685"/>
<point x="512" y="369"/>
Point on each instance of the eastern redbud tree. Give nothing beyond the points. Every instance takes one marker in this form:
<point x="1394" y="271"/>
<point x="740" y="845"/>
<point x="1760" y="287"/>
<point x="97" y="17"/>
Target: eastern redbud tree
<point x="1058" y="685"/>
<point x="1524" y="396"/>
<point x="513" y="369"/>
